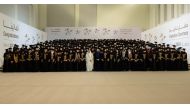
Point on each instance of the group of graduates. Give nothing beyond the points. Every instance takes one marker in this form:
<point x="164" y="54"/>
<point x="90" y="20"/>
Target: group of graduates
<point x="108" y="55"/>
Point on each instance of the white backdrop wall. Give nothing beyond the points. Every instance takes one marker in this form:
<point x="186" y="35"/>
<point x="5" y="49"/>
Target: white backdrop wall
<point x="174" y="32"/>
<point x="16" y="32"/>
<point x="92" y="33"/>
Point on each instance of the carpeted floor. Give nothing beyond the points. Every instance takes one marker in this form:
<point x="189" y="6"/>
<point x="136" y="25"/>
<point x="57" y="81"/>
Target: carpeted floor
<point x="95" y="87"/>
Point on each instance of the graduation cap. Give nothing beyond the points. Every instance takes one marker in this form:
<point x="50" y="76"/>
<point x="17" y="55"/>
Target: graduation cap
<point x="179" y="48"/>
<point x="6" y="50"/>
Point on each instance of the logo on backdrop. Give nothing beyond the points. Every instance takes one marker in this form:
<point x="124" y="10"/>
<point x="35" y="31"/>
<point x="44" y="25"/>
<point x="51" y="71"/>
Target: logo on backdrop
<point x="10" y="27"/>
<point x="10" y="35"/>
<point x="179" y="31"/>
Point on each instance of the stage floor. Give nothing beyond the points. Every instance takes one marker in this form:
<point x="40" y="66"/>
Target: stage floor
<point x="95" y="87"/>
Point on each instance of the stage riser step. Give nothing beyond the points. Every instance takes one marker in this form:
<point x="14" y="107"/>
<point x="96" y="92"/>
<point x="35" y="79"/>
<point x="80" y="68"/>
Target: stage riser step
<point x="1" y="69"/>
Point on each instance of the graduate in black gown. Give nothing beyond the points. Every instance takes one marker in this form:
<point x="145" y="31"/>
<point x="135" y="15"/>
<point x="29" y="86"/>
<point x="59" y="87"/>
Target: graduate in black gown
<point x="154" y="60"/>
<point x="97" y="63"/>
<point x="36" y="60"/>
<point x="77" y="64"/>
<point x="22" y="61"/>
<point x="135" y="65"/>
<point x="124" y="60"/>
<point x="65" y="64"/>
<point x="111" y="61"/>
<point x="184" y="60"/>
<point x="144" y="59"/>
<point x="117" y="61"/>
<point x="149" y="61"/>
<point x="105" y="62"/>
<point x="71" y="61"/>
<point x="173" y="60"/>
<point x="101" y="62"/>
<point x="51" y="61"/>
<point x="130" y="59"/>
<point x="7" y="61"/>
<point x="44" y="60"/>
<point x="15" y="60"/>
<point x="59" y="61"/>
<point x="160" y="60"/>
<point x="83" y="61"/>
<point x="29" y="60"/>
<point x="167" y="59"/>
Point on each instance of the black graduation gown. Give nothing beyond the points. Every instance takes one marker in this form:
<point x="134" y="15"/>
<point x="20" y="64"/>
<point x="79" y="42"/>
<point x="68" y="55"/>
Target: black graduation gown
<point x="22" y="62"/>
<point x="105" y="62"/>
<point x="44" y="62"/>
<point x="51" y="61"/>
<point x="154" y="60"/>
<point x="16" y="62"/>
<point x="118" y="62"/>
<point x="144" y="61"/>
<point x="65" y="64"/>
<point x="111" y="62"/>
<point x="97" y="62"/>
<point x="7" y="62"/>
<point x="71" y="62"/>
<point x="175" y="63"/>
<point x="32" y="62"/>
<point x="83" y="62"/>
<point x="133" y="63"/>
<point x="29" y="62"/>
<point x="124" y="63"/>
<point x="184" y="62"/>
<point x="167" y="61"/>
<point x="11" y="66"/>
<point x="74" y="63"/>
<point x="36" y="61"/>
<point x="149" y="61"/>
<point x="160" y="61"/>
<point x="171" y="61"/>
<point x="58" y="61"/>
<point x="41" y="53"/>
<point x="179" y="61"/>
<point x="140" y="62"/>
<point x="101" y="65"/>
<point x="77" y="62"/>
<point x="115" y="62"/>
<point x="130" y="63"/>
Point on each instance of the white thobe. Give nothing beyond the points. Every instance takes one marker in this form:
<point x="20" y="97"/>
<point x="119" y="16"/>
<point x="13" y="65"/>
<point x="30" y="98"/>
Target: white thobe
<point x="89" y="61"/>
<point x="130" y="54"/>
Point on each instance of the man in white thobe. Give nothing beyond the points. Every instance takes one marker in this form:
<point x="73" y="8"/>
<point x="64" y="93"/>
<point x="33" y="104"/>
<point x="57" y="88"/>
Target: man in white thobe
<point x="89" y="61"/>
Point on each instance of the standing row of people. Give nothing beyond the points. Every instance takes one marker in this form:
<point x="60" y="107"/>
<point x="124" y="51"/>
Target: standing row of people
<point x="97" y="55"/>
